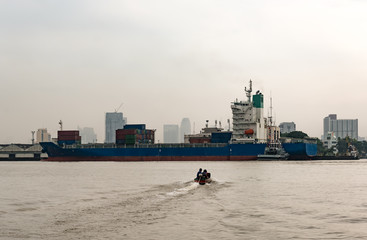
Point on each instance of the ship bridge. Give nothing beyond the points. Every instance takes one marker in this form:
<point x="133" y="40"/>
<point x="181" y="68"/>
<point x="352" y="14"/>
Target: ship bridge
<point x="248" y="118"/>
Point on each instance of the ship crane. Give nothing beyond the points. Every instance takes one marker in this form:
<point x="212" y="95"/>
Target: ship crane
<point x="119" y="107"/>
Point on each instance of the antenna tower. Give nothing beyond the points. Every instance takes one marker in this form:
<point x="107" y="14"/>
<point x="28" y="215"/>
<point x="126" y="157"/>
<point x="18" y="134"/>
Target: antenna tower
<point x="271" y="112"/>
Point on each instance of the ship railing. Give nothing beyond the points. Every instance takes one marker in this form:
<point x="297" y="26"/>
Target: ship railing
<point x="298" y="140"/>
<point x="159" y="145"/>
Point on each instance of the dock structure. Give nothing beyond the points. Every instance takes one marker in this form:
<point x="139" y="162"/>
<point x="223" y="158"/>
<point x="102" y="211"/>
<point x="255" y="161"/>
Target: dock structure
<point x="21" y="152"/>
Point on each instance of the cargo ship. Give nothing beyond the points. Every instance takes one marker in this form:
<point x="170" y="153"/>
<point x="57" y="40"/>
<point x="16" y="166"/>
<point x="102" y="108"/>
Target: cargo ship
<point x="134" y="142"/>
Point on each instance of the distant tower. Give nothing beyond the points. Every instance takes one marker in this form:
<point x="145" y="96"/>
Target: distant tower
<point x="185" y="128"/>
<point x="43" y="135"/>
<point x="114" y="121"/>
<point x="88" y="135"/>
<point x="341" y="127"/>
<point x="170" y="133"/>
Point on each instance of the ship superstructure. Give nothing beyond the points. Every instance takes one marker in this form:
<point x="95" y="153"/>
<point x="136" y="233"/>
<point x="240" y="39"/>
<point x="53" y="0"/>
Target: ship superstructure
<point x="249" y="124"/>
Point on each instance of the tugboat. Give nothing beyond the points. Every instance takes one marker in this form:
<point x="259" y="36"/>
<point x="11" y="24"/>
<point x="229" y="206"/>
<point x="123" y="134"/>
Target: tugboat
<point x="274" y="151"/>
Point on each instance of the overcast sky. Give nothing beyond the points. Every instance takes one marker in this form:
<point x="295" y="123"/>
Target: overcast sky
<point x="164" y="60"/>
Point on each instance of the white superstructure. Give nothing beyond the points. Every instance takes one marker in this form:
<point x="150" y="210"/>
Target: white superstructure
<point x="249" y="124"/>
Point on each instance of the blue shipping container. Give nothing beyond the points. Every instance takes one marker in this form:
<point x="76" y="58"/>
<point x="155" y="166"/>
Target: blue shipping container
<point x="135" y="126"/>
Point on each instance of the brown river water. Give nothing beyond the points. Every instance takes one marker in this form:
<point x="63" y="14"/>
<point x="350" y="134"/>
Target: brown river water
<point x="159" y="200"/>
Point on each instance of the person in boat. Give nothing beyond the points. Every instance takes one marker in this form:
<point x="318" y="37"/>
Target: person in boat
<point x="199" y="173"/>
<point x="205" y="174"/>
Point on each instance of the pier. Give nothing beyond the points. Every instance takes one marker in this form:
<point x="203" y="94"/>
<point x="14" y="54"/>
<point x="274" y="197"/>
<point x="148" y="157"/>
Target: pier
<point x="21" y="152"/>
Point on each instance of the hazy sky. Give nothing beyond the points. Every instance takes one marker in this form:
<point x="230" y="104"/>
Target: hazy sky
<point x="165" y="59"/>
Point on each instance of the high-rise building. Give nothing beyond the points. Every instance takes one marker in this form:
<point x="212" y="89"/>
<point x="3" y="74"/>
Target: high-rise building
<point x="185" y="128"/>
<point x="340" y="127"/>
<point x="43" y="135"/>
<point x="88" y="135"/>
<point x="287" y="127"/>
<point x="114" y="121"/>
<point x="170" y="133"/>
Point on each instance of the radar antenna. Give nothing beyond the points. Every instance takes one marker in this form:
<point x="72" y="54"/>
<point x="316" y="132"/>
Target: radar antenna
<point x="248" y="92"/>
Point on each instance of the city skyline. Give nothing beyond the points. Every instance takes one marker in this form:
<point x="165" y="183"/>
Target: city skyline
<point x="77" y="60"/>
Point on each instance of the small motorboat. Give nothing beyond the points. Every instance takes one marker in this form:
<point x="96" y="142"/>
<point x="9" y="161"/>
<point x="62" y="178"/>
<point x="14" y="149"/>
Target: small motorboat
<point x="202" y="180"/>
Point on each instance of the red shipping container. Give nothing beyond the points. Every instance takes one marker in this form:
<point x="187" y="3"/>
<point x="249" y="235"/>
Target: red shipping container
<point x="67" y="138"/>
<point x="120" y="137"/>
<point x="125" y="131"/>
<point x="199" y="140"/>
<point x="68" y="133"/>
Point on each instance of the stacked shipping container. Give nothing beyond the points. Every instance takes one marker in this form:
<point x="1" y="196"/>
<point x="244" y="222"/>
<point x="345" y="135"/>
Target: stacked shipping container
<point x="68" y="137"/>
<point x="134" y="134"/>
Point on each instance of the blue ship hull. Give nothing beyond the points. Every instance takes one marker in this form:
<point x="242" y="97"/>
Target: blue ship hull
<point x="155" y="152"/>
<point x="300" y="151"/>
<point x="163" y="152"/>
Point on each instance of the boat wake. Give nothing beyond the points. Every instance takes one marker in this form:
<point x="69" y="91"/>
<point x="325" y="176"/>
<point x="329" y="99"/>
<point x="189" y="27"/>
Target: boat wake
<point x="189" y="187"/>
<point x="131" y="210"/>
<point x="184" y="190"/>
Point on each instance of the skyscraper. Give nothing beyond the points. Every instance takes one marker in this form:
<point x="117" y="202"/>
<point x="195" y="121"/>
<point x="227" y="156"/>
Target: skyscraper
<point x="170" y="133"/>
<point x="340" y="127"/>
<point x="43" y="135"/>
<point x="184" y="129"/>
<point x="88" y="135"/>
<point x="114" y="121"/>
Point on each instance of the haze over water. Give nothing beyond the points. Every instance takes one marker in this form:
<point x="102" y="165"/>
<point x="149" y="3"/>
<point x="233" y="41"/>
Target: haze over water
<point x="158" y="200"/>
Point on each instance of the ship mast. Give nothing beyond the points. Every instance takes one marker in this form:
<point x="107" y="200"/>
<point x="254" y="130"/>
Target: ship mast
<point x="271" y="112"/>
<point x="60" y="123"/>
<point x="248" y="92"/>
